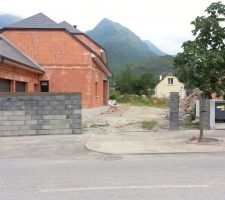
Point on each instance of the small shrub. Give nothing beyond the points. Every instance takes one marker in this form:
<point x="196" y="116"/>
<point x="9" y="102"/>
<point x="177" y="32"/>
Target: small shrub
<point x="188" y="122"/>
<point x="138" y="100"/>
<point x="148" y="124"/>
<point x="113" y="95"/>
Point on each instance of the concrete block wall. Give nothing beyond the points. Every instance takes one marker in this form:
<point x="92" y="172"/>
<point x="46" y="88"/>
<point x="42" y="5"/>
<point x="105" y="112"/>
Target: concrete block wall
<point x="174" y="110"/>
<point x="40" y="113"/>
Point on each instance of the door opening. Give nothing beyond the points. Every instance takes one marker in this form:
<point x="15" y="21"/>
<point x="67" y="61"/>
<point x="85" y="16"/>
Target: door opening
<point x="20" y="86"/>
<point x="44" y="86"/>
<point x="105" y="92"/>
<point x="4" y="85"/>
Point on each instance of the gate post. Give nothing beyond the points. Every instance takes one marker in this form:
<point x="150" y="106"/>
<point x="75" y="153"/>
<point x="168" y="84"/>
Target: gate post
<point x="174" y="110"/>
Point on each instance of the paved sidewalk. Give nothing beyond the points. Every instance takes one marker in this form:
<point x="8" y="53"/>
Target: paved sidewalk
<point x="154" y="142"/>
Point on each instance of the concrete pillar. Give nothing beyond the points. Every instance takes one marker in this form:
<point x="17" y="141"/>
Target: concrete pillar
<point x="174" y="110"/>
<point x="212" y="115"/>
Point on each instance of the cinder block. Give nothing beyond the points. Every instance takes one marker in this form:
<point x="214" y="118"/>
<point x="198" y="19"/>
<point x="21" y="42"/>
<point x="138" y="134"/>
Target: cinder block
<point x="65" y="121"/>
<point x="45" y="108"/>
<point x="19" y="118"/>
<point x="43" y="122"/>
<point x="13" y="123"/>
<point x="54" y="117"/>
<point x="18" y="133"/>
<point x="44" y="112"/>
<point x="56" y="103"/>
<point x="56" y="126"/>
<point x="76" y="102"/>
<point x="48" y="132"/>
<point x="3" y="113"/>
<point x="59" y="107"/>
<point x="59" y="98"/>
<point x="36" y="127"/>
<point x="77" y="121"/>
<point x="36" y="117"/>
<point x="43" y="103"/>
<point x="65" y="112"/>
<point x="31" y="103"/>
<point x="24" y="127"/>
<point x="9" y="128"/>
<point x="43" y="132"/>
<point x="31" y="122"/>
<point x="31" y="112"/>
<point x="75" y="97"/>
<point x="46" y="98"/>
<point x="77" y="116"/>
<point x="68" y="106"/>
<point x="77" y="112"/>
<point x="3" y="118"/>
<point x="75" y="126"/>
<point x="67" y="102"/>
<point x="37" y="98"/>
<point x="13" y="103"/>
<point x="77" y="131"/>
<point x="76" y="107"/>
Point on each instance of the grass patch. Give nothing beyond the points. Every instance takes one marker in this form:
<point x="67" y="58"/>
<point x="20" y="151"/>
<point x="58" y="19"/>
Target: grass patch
<point x="85" y="126"/>
<point x="137" y="100"/>
<point x="188" y="122"/>
<point x="149" y="125"/>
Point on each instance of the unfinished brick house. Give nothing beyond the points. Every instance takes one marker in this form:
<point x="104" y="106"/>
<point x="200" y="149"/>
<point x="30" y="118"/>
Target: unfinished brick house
<point x="65" y="60"/>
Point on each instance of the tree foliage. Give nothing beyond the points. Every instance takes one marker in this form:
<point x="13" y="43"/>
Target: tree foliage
<point x="202" y="62"/>
<point x="129" y="83"/>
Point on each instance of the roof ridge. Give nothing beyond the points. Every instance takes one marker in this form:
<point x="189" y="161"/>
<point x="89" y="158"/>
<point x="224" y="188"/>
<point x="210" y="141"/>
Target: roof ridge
<point x="38" y="20"/>
<point x="69" y="27"/>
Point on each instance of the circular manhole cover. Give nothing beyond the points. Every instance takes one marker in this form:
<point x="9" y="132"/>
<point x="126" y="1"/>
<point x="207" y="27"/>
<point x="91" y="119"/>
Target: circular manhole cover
<point x="109" y="158"/>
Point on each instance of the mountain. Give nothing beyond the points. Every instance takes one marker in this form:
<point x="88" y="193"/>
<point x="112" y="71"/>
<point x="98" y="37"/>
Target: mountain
<point x="154" y="48"/>
<point x="157" y="65"/>
<point x="122" y="45"/>
<point x="7" y="19"/>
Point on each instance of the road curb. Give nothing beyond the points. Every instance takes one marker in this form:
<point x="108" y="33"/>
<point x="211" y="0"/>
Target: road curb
<point x="149" y="153"/>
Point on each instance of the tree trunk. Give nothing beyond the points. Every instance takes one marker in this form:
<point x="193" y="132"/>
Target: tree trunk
<point x="202" y="112"/>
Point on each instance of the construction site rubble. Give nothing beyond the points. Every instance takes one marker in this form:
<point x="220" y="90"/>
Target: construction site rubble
<point x="188" y="104"/>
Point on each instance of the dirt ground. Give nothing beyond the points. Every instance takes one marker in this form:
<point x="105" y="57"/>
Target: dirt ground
<point x="122" y="118"/>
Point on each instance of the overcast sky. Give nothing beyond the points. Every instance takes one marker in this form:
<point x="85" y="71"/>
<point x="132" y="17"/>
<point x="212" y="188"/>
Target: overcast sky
<point x="166" y="23"/>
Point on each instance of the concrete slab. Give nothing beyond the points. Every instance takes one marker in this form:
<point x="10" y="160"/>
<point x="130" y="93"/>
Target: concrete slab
<point x="151" y="142"/>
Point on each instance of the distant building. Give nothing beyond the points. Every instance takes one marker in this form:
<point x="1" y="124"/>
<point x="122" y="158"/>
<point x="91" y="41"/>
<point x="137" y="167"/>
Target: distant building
<point x="40" y="55"/>
<point x="167" y="84"/>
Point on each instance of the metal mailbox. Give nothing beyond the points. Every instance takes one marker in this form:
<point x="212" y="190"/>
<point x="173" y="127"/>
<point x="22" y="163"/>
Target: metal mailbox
<point x="220" y="112"/>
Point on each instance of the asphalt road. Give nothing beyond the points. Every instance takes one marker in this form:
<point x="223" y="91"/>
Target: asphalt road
<point x="84" y="175"/>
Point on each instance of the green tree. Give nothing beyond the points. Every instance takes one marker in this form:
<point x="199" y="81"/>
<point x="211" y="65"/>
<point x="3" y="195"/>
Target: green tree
<point x="124" y="82"/>
<point x="144" y="84"/>
<point x="202" y="62"/>
<point x="129" y="83"/>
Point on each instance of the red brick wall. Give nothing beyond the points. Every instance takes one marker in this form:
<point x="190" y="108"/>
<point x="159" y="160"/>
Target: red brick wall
<point x="98" y="77"/>
<point x="49" y="48"/>
<point x="70" y="79"/>
<point x="69" y="66"/>
<point x="89" y="43"/>
<point x="13" y="73"/>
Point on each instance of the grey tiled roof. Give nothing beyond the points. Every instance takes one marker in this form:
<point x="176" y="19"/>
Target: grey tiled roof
<point x="69" y="27"/>
<point x="36" y="21"/>
<point x="9" y="51"/>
